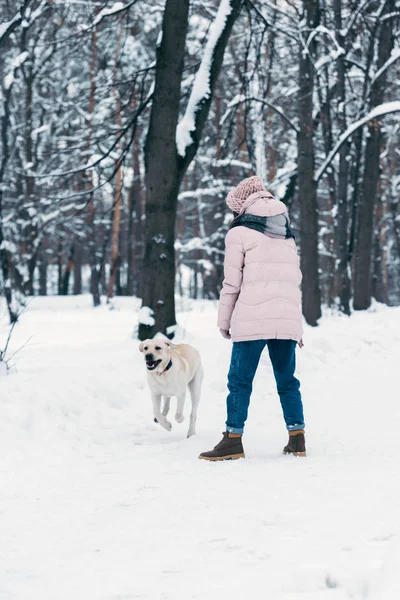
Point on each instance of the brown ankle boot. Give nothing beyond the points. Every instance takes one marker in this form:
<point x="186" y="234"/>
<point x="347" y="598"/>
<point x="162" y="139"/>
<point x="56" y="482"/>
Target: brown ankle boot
<point x="297" y="443"/>
<point x="229" y="448"/>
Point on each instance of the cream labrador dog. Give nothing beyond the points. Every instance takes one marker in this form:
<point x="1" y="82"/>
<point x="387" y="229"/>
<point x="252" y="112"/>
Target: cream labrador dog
<point x="171" y="369"/>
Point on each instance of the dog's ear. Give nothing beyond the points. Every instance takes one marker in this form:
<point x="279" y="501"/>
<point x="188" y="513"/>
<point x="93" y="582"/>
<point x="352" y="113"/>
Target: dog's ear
<point x="141" y="346"/>
<point x="170" y="344"/>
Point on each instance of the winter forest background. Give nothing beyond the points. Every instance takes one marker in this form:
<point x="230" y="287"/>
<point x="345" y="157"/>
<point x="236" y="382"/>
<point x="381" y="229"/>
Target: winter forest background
<point x="123" y="125"/>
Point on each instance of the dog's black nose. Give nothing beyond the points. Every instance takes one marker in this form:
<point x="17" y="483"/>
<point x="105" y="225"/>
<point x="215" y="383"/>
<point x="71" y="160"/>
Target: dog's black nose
<point x="149" y="357"/>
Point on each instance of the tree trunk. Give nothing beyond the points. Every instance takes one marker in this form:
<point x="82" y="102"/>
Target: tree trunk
<point x="67" y="273"/>
<point x="116" y="225"/>
<point x="344" y="283"/>
<point x="311" y="297"/>
<point x="5" y="272"/>
<point x="59" y="268"/>
<point x="379" y="283"/>
<point x="164" y="167"/>
<point x="115" y="234"/>
<point x="134" y="223"/>
<point x="366" y="210"/>
<point x="5" y="259"/>
<point x="43" y="275"/>
<point x="162" y="173"/>
<point x="94" y="270"/>
<point x="78" y="268"/>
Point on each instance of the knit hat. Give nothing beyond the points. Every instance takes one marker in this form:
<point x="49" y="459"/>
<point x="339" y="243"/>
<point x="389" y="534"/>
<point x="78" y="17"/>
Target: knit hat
<point x="252" y="186"/>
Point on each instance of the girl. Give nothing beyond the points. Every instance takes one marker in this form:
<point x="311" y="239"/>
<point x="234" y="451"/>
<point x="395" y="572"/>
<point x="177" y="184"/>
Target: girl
<point x="260" y="306"/>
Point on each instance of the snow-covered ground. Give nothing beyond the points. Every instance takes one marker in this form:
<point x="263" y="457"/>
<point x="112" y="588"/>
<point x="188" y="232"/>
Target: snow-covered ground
<point x="99" y="502"/>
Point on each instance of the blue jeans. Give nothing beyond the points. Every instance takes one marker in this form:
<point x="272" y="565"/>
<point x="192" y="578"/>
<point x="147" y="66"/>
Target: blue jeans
<point x="244" y="363"/>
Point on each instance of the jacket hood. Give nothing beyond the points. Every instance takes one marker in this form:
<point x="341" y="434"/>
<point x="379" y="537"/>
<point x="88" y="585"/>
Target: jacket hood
<point x="263" y="204"/>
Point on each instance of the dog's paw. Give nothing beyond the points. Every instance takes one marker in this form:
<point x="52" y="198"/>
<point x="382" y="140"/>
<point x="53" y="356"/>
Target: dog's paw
<point x="166" y="424"/>
<point x="179" y="418"/>
<point x="155" y="420"/>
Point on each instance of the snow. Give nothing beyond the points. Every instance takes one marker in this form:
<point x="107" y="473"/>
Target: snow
<point x="145" y="316"/>
<point x="99" y="502"/>
<point x="5" y="26"/>
<point x="17" y="62"/>
<point x="201" y="86"/>
<point x="106" y="12"/>
<point x="395" y="55"/>
<point x="378" y="111"/>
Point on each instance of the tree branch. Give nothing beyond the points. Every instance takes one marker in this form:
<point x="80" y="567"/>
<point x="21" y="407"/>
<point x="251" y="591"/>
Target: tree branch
<point x="6" y="29"/>
<point x="379" y="111"/>
<point x="191" y="126"/>
<point x="270" y="105"/>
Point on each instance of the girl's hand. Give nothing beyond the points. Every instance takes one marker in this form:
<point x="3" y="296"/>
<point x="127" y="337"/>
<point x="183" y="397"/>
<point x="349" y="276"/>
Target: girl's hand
<point x="225" y="334"/>
<point x="301" y="343"/>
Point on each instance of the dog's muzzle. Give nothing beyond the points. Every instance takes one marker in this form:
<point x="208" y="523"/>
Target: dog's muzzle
<point x="151" y="364"/>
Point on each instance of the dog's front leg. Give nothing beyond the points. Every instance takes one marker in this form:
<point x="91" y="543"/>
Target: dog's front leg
<point x="165" y="409"/>
<point x="195" y="391"/>
<point x="179" y="407"/>
<point x="158" y="416"/>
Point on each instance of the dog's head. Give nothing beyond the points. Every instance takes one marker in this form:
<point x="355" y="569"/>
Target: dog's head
<point x="157" y="353"/>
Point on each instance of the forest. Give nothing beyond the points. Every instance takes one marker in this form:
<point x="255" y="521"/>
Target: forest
<point x="123" y="126"/>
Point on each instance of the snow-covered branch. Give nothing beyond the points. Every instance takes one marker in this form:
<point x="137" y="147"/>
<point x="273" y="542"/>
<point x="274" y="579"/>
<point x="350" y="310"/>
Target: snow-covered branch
<point x="201" y="89"/>
<point x="393" y="57"/>
<point x="270" y="105"/>
<point x="379" y="111"/>
<point x="116" y="9"/>
<point x="7" y="28"/>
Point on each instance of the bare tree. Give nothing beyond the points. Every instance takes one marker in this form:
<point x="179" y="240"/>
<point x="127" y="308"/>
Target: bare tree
<point x="166" y="163"/>
<point x="311" y="296"/>
<point x="363" y="250"/>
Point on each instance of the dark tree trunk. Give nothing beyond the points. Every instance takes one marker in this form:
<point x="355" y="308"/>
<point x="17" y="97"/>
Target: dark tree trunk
<point x="118" y="286"/>
<point x="5" y="260"/>
<point x="164" y="167"/>
<point x="358" y="144"/>
<point x="380" y="273"/>
<point x="344" y="283"/>
<point x="94" y="269"/>
<point x="162" y="172"/>
<point x="366" y="209"/>
<point x="327" y="264"/>
<point x="134" y="236"/>
<point x="43" y="275"/>
<point x="130" y="245"/>
<point x="311" y="296"/>
<point x="78" y="268"/>
<point x="67" y="273"/>
<point x="59" y="268"/>
<point x="31" y="230"/>
<point x="130" y="241"/>
<point x="115" y="259"/>
<point x="6" y="275"/>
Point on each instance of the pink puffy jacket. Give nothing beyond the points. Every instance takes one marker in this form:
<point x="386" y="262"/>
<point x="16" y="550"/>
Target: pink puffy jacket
<point x="260" y="297"/>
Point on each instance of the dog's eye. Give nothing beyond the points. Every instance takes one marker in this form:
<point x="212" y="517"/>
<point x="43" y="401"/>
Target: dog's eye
<point x="146" y="348"/>
<point x="158" y="348"/>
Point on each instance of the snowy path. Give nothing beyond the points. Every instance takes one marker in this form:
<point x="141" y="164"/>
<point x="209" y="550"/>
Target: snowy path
<point x="98" y="502"/>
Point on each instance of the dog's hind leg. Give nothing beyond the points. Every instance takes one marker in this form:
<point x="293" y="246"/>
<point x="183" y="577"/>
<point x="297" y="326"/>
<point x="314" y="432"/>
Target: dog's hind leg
<point x="158" y="416"/>
<point x="195" y="392"/>
<point x="165" y="409"/>
<point x="179" y="407"/>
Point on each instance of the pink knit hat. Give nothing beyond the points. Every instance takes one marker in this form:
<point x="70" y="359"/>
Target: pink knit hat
<point x="252" y="186"/>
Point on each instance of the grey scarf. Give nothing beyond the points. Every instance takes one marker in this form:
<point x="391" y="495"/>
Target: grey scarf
<point x="277" y="226"/>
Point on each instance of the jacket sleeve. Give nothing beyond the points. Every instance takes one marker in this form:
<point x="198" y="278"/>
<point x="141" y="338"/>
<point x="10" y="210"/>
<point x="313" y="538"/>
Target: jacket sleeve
<point x="233" y="274"/>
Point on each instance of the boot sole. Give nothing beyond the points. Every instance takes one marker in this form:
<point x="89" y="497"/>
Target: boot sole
<point x="219" y="458"/>
<point x="295" y="453"/>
